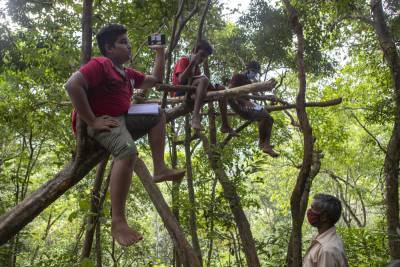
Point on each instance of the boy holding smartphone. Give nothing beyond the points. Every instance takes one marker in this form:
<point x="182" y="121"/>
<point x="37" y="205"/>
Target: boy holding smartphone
<point x="101" y="94"/>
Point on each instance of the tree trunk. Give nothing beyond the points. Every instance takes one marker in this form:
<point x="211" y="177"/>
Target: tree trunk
<point x="86" y="22"/>
<point x="87" y="156"/>
<point x="200" y="31"/>
<point x="230" y="195"/>
<point x="316" y="166"/>
<point x="299" y="194"/>
<point x="94" y="210"/>
<point x="211" y="227"/>
<point x="186" y="253"/>
<point x="15" y="219"/>
<point x="99" y="261"/>
<point x="391" y="165"/>
<point x="189" y="176"/>
<point x="175" y="195"/>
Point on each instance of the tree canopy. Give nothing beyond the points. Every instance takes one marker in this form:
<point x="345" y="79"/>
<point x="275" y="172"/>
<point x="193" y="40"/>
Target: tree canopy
<point x="353" y="142"/>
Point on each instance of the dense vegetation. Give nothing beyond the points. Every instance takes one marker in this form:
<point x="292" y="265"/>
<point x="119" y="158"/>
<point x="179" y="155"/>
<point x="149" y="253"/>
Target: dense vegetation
<point x="40" y="47"/>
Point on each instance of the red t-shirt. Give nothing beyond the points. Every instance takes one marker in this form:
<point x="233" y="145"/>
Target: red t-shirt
<point x="180" y="66"/>
<point x="109" y="93"/>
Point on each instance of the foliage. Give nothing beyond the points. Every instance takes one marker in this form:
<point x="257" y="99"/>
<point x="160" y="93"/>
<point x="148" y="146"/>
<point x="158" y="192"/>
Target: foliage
<point x="39" y="49"/>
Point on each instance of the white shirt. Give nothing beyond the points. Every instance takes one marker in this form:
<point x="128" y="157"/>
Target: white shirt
<point x="326" y="250"/>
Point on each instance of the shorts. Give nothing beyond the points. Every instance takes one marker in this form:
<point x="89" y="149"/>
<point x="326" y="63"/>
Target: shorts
<point x="251" y="114"/>
<point x="120" y="141"/>
<point x="176" y="94"/>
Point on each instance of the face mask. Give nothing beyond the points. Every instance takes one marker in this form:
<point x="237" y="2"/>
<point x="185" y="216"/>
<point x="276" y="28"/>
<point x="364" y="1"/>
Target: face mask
<point x="251" y="75"/>
<point x="312" y="217"/>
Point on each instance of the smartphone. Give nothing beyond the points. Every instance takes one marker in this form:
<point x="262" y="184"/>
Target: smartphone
<point x="156" y="39"/>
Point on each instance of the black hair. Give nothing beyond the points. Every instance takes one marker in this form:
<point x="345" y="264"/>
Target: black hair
<point x="331" y="205"/>
<point x="204" y="45"/>
<point x="108" y="35"/>
<point x="253" y="65"/>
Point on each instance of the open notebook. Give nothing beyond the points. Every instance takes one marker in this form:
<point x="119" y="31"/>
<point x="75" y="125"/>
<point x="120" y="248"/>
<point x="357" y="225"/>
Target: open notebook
<point x="137" y="109"/>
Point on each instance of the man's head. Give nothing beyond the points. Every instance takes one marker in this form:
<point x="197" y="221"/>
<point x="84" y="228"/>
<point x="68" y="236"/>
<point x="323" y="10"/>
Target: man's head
<point x="252" y="69"/>
<point x="113" y="42"/>
<point x="202" y="50"/>
<point x="325" y="210"/>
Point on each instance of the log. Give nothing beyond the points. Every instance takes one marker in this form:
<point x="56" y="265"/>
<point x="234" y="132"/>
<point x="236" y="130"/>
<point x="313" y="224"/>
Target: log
<point x="175" y="88"/>
<point x="89" y="154"/>
<point x="228" y="93"/>
<point x="15" y="219"/>
<point x="184" y="250"/>
<point x="211" y="95"/>
<point x="328" y="103"/>
<point x="242" y="90"/>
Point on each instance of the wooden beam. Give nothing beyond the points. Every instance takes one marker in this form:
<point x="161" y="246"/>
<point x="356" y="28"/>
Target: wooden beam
<point x="174" y="88"/>
<point x="242" y="90"/>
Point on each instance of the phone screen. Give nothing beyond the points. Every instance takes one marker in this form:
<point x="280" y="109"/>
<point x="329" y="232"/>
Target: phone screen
<point x="156" y="39"/>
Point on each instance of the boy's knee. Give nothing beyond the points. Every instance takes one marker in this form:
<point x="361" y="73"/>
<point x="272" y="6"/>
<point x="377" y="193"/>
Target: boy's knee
<point x="127" y="150"/>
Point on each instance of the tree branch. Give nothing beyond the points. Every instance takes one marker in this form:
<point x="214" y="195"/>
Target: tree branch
<point x="369" y="133"/>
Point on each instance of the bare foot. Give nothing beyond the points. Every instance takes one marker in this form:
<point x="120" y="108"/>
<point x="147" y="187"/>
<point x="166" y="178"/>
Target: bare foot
<point x="228" y="130"/>
<point x="124" y="235"/>
<point x="168" y="175"/>
<point x="266" y="148"/>
<point x="196" y="124"/>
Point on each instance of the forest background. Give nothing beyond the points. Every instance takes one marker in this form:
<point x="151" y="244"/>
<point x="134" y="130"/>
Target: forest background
<point x="40" y="47"/>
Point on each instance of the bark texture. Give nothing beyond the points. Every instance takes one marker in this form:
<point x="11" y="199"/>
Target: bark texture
<point x="294" y="257"/>
<point x="186" y="253"/>
<point x="86" y="22"/>
<point x="94" y="210"/>
<point x="391" y="165"/>
<point x="88" y="156"/>
<point x="230" y="195"/>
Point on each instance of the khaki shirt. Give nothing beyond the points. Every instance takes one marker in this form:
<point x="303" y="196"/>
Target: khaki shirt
<point x="326" y="250"/>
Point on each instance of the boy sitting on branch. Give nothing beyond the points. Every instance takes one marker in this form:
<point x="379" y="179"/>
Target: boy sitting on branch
<point x="187" y="72"/>
<point x="252" y="111"/>
<point x="101" y="94"/>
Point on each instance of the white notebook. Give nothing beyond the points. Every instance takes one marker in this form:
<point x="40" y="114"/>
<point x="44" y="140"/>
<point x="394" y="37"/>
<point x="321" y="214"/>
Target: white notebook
<point x="151" y="108"/>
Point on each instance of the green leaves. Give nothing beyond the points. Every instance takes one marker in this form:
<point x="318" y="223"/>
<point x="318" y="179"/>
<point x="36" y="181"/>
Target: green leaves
<point x="87" y="262"/>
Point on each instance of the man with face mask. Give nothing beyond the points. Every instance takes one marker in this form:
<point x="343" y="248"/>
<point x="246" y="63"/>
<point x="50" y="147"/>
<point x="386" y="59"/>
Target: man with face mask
<point x="252" y="111"/>
<point x="327" y="247"/>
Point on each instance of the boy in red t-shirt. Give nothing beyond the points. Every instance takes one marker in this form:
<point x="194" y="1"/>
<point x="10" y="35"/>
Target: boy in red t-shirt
<point x="187" y="71"/>
<point x="101" y="94"/>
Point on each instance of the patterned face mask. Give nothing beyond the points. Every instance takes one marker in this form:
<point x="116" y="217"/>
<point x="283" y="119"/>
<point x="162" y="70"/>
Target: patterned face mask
<point x="251" y="75"/>
<point x="313" y="217"/>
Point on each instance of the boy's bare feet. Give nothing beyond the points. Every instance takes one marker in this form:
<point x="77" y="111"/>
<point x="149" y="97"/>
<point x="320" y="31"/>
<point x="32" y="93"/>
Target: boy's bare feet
<point x="196" y="123"/>
<point x="228" y="130"/>
<point x="266" y="148"/>
<point x="124" y="235"/>
<point x="168" y="175"/>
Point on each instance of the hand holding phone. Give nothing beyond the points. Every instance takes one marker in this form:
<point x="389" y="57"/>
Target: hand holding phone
<point x="156" y="39"/>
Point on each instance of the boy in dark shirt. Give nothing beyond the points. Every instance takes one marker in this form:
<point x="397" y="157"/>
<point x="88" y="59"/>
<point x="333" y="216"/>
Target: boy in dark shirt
<point x="187" y="71"/>
<point x="252" y="111"/>
<point x="101" y="94"/>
